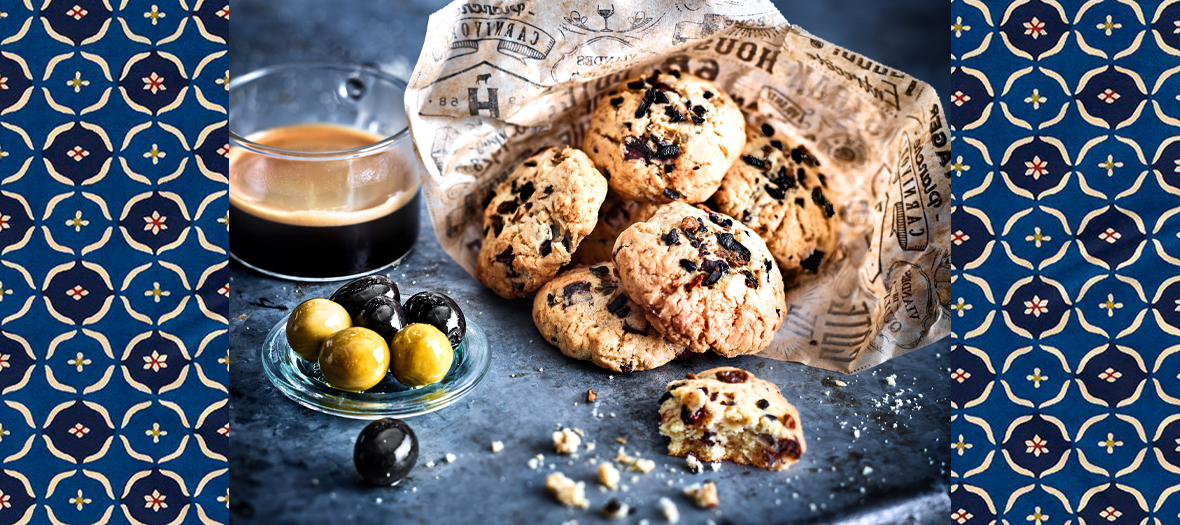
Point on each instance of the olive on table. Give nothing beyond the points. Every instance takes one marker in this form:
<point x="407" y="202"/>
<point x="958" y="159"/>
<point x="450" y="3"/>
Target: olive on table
<point x="385" y="451"/>
<point x="357" y="292"/>
<point x="312" y="322"/>
<point x="382" y="315"/>
<point x="354" y="359"/>
<point x="439" y="311"/>
<point x="420" y="355"/>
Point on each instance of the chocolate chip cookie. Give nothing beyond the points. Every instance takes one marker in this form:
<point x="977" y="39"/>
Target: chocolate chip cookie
<point x="535" y="220"/>
<point x="777" y="189"/>
<point x="615" y="216"/>
<point x="587" y="315"/>
<point x="665" y="137"/>
<point x="706" y="280"/>
<point x="727" y="413"/>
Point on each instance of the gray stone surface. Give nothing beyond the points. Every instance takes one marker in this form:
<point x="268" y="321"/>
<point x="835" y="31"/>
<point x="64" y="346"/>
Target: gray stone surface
<point x="292" y="465"/>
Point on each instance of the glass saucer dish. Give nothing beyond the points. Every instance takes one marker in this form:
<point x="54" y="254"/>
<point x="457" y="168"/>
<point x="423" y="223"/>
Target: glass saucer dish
<point x="303" y="383"/>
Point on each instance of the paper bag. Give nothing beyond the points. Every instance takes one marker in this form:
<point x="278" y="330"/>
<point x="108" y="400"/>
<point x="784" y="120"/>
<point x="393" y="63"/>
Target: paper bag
<point x="497" y="81"/>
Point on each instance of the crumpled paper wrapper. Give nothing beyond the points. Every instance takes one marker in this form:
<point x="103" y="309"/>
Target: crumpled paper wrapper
<point x="496" y="81"/>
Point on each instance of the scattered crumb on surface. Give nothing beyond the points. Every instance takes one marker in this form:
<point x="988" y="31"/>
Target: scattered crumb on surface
<point x="704" y="496"/>
<point x="615" y="509"/>
<point x="450" y="458"/>
<point x="429" y="464"/>
<point x="566" y="441"/>
<point x="868" y="470"/>
<point x="579" y="432"/>
<point x="841" y="383"/>
<point x="590" y="447"/>
<point x="716" y="465"/>
<point x="694" y="465"/>
<point x="591" y="396"/>
<point x="537" y="462"/>
<point x="567" y="491"/>
<point x="497" y="446"/>
<point x="642" y="465"/>
<point x="891" y="380"/>
<point x="621" y="440"/>
<point x="608" y="476"/>
<point x="671" y="513"/>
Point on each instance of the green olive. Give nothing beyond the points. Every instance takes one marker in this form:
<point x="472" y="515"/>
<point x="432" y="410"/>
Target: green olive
<point x="421" y="355"/>
<point x="312" y="322"/>
<point x="354" y="359"/>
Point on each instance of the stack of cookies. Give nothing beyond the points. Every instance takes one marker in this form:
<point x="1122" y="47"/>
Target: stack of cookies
<point x="672" y="229"/>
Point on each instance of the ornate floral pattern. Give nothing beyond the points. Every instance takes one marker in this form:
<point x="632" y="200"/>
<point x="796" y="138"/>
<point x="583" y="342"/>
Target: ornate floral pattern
<point x="111" y="228"/>
<point x="1066" y="367"/>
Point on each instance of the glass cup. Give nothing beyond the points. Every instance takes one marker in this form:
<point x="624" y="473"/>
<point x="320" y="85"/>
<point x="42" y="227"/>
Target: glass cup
<point x="324" y="181"/>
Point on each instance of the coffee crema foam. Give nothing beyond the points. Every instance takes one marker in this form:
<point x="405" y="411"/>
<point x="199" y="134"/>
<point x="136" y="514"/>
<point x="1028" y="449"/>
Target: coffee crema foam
<point x="314" y="192"/>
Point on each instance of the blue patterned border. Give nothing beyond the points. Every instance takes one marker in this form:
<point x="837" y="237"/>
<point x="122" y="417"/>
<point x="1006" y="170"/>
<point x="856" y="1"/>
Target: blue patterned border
<point x="113" y="287"/>
<point x="1067" y="190"/>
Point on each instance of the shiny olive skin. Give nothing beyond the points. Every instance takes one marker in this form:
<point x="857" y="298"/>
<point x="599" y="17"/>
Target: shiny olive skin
<point x="420" y="355"/>
<point x="354" y="359"/>
<point x="382" y="315"/>
<point x="439" y="311"/>
<point x="385" y="451"/>
<point x="312" y="322"/>
<point x="357" y="292"/>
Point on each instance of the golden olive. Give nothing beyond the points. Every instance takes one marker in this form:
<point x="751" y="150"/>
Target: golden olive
<point x="420" y="355"/>
<point x="354" y="359"/>
<point x="312" y="322"/>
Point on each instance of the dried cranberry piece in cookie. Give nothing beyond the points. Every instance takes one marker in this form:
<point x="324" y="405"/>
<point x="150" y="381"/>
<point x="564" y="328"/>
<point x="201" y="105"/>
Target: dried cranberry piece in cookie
<point x="733" y="376"/>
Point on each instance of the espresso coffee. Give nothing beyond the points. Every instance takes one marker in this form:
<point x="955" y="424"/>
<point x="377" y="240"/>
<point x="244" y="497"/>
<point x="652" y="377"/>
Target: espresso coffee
<point x="300" y="216"/>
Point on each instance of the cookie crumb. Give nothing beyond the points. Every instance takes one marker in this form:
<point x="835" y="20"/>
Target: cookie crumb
<point x="429" y="464"/>
<point x="537" y="462"/>
<point x="450" y="458"/>
<point x="567" y="491"/>
<point x="694" y="465"/>
<point x="841" y="383"/>
<point x="497" y="446"/>
<point x="590" y="447"/>
<point x="566" y="442"/>
<point x="621" y="440"/>
<point x="891" y="380"/>
<point x="579" y="432"/>
<point x="591" y="395"/>
<point x="704" y="496"/>
<point x="615" y="509"/>
<point x="608" y="476"/>
<point x="642" y="465"/>
<point x="868" y="470"/>
<point x="671" y="513"/>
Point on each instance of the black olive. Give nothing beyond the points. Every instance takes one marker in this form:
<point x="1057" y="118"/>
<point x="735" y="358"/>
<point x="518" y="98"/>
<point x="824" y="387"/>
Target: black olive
<point x="385" y="452"/>
<point x="357" y="292"/>
<point x="382" y="315"/>
<point x="440" y="311"/>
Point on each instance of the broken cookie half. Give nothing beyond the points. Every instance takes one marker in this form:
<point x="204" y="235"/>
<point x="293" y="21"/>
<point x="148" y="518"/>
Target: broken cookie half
<point x="727" y="413"/>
